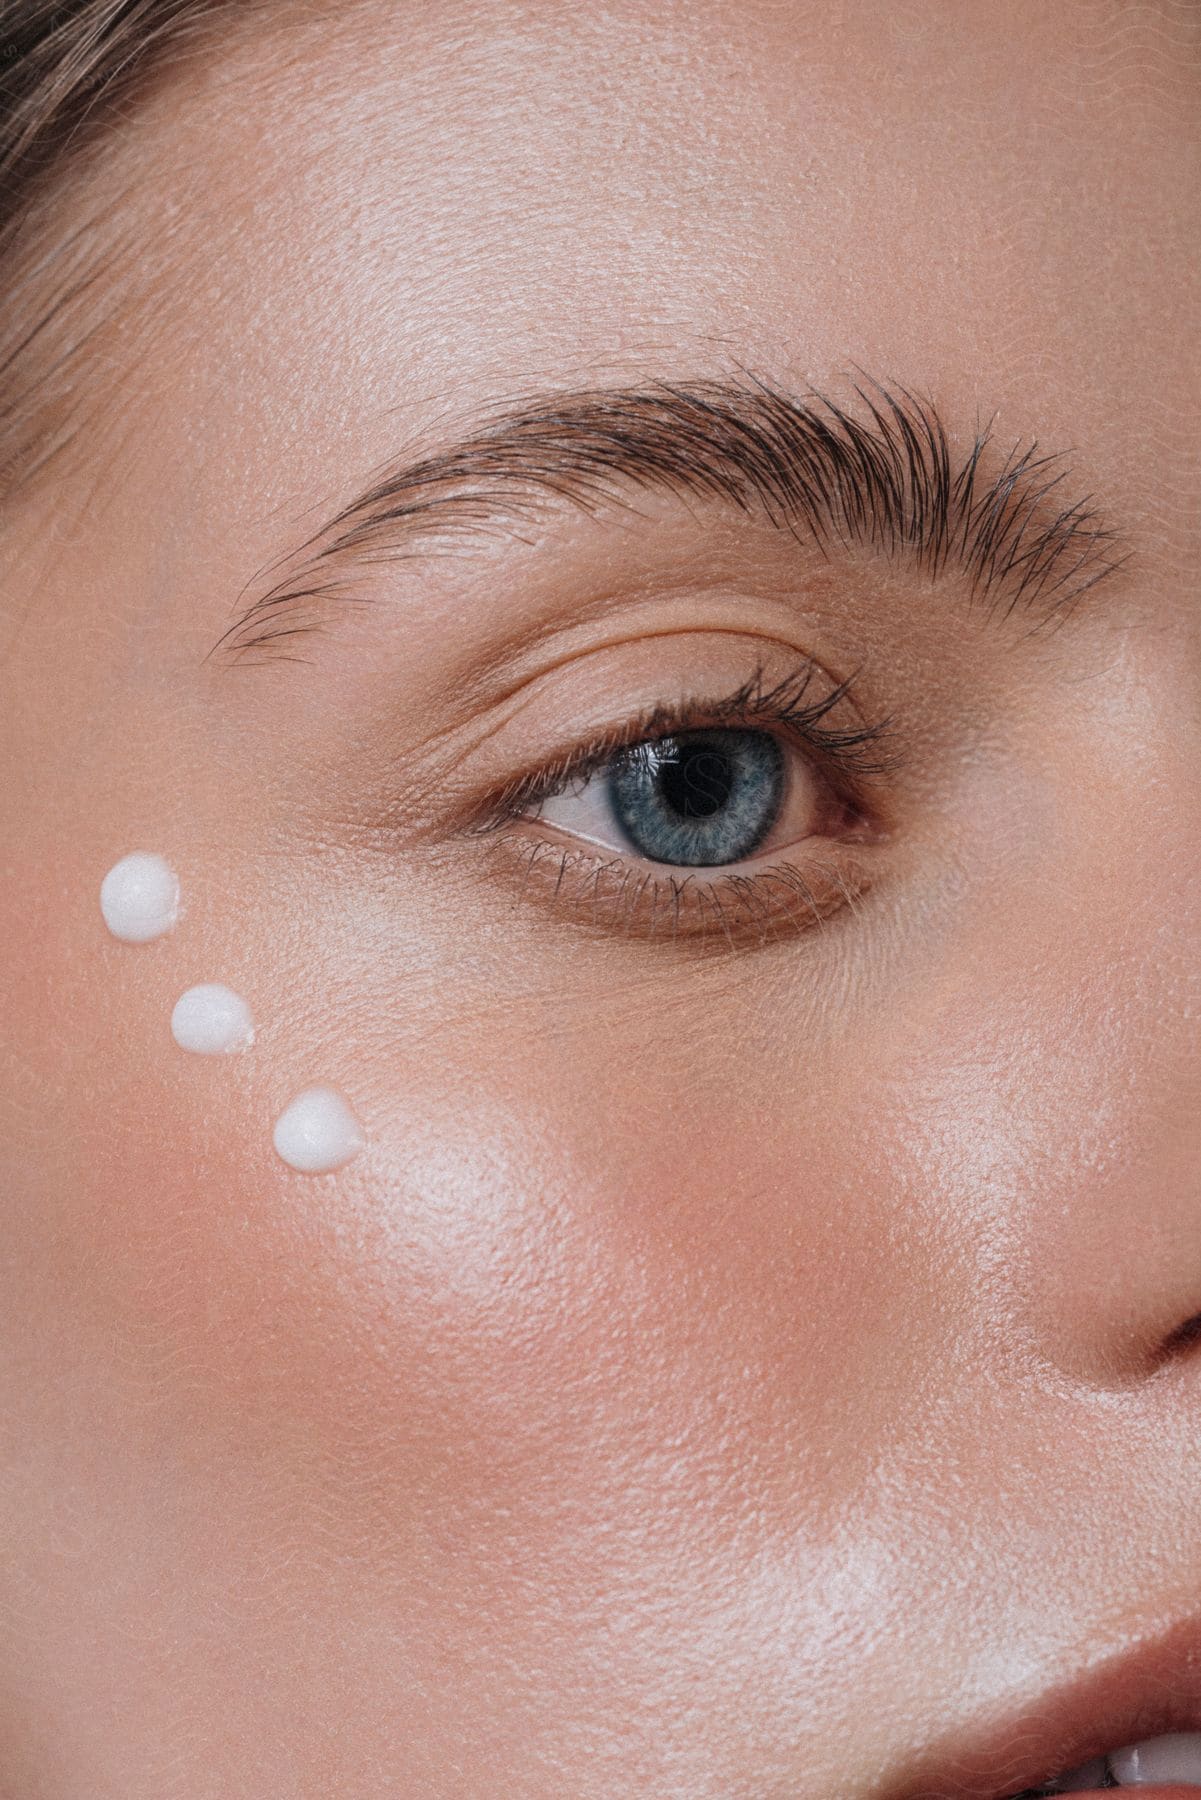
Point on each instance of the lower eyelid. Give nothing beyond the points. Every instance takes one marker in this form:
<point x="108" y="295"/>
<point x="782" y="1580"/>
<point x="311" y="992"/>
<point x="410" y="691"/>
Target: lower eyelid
<point x="731" y="906"/>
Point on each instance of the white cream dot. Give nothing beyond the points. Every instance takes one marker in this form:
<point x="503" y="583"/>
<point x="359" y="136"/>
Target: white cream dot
<point x="211" y="1018"/>
<point x="139" y="897"/>
<point x="317" y="1132"/>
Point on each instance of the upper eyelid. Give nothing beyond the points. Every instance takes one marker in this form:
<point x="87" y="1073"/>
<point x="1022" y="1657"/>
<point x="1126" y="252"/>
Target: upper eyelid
<point x="593" y="760"/>
<point x="749" y="704"/>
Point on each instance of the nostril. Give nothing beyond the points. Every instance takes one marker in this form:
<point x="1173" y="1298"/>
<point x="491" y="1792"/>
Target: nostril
<point x="1183" y="1336"/>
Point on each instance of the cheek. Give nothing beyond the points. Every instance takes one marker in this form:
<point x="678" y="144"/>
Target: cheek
<point x="640" y="1280"/>
<point x="596" y="1303"/>
<point x="577" y="1271"/>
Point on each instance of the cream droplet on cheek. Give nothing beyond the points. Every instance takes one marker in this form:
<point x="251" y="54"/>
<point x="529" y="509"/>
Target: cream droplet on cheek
<point x="318" y="1132"/>
<point x="139" y="897"/>
<point x="211" y="1019"/>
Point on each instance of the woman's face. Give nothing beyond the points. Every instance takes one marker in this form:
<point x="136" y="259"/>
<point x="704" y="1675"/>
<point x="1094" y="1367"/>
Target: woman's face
<point x="741" y="1361"/>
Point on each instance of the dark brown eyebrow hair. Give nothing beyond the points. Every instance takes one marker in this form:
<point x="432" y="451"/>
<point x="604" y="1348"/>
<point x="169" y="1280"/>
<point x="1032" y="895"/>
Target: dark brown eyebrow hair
<point x="881" y="478"/>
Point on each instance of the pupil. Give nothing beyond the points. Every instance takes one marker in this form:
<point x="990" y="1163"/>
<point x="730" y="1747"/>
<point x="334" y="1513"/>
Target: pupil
<point x="696" y="782"/>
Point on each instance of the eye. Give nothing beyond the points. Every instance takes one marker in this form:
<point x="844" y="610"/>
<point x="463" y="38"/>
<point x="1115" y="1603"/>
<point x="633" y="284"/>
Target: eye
<point x="696" y="799"/>
<point x="675" y="824"/>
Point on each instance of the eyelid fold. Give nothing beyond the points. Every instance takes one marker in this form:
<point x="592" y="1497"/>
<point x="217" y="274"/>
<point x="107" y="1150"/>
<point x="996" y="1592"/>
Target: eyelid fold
<point x="853" y="751"/>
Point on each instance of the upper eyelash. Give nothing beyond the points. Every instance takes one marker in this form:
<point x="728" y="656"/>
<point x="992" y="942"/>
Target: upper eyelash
<point x="864" y="750"/>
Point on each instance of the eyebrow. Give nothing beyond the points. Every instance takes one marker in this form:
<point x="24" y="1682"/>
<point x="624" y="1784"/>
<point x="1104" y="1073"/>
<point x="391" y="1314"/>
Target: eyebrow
<point x="880" y="477"/>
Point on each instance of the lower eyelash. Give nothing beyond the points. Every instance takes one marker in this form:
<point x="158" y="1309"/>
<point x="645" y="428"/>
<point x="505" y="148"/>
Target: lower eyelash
<point x="738" y="911"/>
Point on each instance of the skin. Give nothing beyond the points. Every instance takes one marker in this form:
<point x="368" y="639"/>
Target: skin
<point x="728" y="1372"/>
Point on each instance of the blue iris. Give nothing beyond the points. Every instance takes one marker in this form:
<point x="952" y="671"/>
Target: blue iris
<point x="698" y="797"/>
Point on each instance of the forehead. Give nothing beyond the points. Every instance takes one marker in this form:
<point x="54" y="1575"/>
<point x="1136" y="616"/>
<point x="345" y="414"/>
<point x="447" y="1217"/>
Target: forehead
<point x="368" y="221"/>
<point x="569" y="158"/>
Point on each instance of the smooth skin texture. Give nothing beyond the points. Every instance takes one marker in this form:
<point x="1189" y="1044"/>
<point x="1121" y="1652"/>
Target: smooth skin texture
<point x="729" y="1369"/>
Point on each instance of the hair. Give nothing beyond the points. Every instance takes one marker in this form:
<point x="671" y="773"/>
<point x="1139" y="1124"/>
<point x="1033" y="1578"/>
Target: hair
<point x="68" y="68"/>
<point x="63" y="71"/>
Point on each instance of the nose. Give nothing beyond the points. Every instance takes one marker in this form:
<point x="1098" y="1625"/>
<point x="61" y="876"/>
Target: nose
<point x="1042" y="1108"/>
<point x="1052" y="1139"/>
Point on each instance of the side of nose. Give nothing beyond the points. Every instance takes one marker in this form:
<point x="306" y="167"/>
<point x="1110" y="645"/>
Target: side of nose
<point x="1044" y="1076"/>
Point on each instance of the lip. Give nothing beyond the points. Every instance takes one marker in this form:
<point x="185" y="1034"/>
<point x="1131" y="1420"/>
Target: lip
<point x="1151" y="1687"/>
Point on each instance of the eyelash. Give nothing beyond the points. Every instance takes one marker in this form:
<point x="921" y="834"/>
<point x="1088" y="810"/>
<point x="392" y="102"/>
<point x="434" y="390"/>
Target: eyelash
<point x="743" y="907"/>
